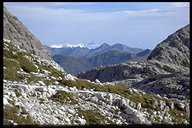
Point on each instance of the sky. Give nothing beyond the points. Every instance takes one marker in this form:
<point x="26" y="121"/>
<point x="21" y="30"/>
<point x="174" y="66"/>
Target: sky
<point x="135" y="24"/>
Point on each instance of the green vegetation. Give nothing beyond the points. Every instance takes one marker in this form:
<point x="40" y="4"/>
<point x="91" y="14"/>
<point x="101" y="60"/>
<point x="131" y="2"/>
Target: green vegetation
<point x="179" y="115"/>
<point x="93" y="117"/>
<point x="10" y="113"/>
<point x="14" y="61"/>
<point x="62" y="97"/>
<point x="10" y="73"/>
<point x="50" y="68"/>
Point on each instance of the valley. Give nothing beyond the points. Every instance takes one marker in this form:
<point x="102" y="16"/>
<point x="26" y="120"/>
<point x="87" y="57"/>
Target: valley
<point x="109" y="85"/>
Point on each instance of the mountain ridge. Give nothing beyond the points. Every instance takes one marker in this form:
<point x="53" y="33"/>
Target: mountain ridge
<point x="14" y="30"/>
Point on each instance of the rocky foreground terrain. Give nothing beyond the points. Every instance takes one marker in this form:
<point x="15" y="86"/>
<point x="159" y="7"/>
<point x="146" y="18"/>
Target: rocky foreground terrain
<point x="50" y="97"/>
<point x="37" y="91"/>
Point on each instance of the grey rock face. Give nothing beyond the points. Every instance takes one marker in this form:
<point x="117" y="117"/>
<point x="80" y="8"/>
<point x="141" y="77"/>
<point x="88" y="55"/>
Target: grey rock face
<point x="168" y="84"/>
<point x="14" y="30"/>
<point x="175" y="49"/>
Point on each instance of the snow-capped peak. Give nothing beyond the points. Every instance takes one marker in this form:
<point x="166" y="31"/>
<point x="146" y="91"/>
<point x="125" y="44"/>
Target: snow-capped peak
<point x="76" y="45"/>
<point x="56" y="46"/>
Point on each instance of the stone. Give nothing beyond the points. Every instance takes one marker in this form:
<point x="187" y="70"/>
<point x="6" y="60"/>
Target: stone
<point x="171" y="105"/>
<point x="167" y="119"/>
<point x="162" y="104"/>
<point x="166" y="108"/>
<point x="138" y="106"/>
<point x="5" y="101"/>
<point x="179" y="106"/>
<point x="94" y="99"/>
<point x="122" y="103"/>
<point x="69" y="77"/>
<point x="132" y="104"/>
<point x="40" y="89"/>
<point x="55" y="82"/>
<point x="80" y="121"/>
<point x="71" y="111"/>
<point x="97" y="81"/>
<point x="5" y="81"/>
<point x="154" y="103"/>
<point x="41" y="82"/>
<point x="187" y="110"/>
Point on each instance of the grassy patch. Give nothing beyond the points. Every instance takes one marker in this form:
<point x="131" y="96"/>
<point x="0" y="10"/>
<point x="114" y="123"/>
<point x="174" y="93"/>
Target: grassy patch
<point x="54" y="72"/>
<point x="178" y="115"/>
<point x="21" y="62"/>
<point x="12" y="67"/>
<point x="62" y="97"/>
<point x="10" y="113"/>
<point x="92" y="117"/>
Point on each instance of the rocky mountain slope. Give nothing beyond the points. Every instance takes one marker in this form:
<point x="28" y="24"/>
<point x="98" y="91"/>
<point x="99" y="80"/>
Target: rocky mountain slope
<point x="72" y="65"/>
<point x="175" y="49"/>
<point x="164" y="75"/>
<point x="15" y="31"/>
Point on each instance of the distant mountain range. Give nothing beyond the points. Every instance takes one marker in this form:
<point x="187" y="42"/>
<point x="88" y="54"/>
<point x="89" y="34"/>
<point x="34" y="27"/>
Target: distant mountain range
<point x="80" y="59"/>
<point x="164" y="72"/>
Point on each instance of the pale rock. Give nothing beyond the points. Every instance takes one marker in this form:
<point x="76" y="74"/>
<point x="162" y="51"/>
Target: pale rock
<point x="167" y="119"/>
<point x="56" y="82"/>
<point x="138" y="106"/>
<point x="161" y="118"/>
<point x="130" y="91"/>
<point x="162" y="104"/>
<point x="5" y="101"/>
<point x="94" y="99"/>
<point x="13" y="94"/>
<point x="132" y="104"/>
<point x="166" y="108"/>
<point x="187" y="110"/>
<point x="80" y="121"/>
<point x="180" y="106"/>
<point x="171" y="105"/>
<point x="6" y="40"/>
<point x="122" y="103"/>
<point x="41" y="82"/>
<point x="71" y="111"/>
<point x="46" y="72"/>
<point x="154" y="103"/>
<point x="73" y="88"/>
<point x="69" y="77"/>
<point x="5" y="81"/>
<point x="97" y="81"/>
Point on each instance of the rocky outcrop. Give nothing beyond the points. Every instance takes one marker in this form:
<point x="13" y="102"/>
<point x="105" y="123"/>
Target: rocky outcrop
<point x="170" y="85"/>
<point x="20" y="36"/>
<point x="175" y="49"/>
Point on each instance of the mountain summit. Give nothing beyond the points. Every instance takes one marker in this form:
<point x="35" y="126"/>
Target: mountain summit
<point x="175" y="49"/>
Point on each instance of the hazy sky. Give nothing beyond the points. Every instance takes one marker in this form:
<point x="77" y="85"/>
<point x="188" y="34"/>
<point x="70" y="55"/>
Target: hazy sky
<point x="141" y="25"/>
